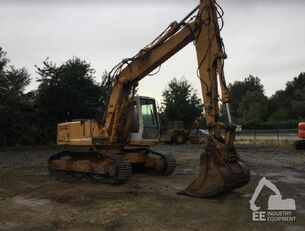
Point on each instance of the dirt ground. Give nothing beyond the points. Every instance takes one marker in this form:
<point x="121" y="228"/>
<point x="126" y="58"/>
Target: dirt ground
<point x="31" y="200"/>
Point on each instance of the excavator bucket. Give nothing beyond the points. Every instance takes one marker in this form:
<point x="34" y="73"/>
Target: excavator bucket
<point x="216" y="177"/>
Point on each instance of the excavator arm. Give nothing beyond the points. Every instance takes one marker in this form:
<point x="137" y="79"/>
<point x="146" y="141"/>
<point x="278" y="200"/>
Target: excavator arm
<point x="221" y="169"/>
<point x="136" y="68"/>
<point x="203" y="30"/>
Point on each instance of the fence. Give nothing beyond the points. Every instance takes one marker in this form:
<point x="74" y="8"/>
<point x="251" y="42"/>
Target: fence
<point x="268" y="135"/>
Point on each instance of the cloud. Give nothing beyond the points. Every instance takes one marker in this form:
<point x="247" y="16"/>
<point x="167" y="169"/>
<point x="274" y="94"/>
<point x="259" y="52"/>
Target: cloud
<point x="263" y="38"/>
<point x="101" y="2"/>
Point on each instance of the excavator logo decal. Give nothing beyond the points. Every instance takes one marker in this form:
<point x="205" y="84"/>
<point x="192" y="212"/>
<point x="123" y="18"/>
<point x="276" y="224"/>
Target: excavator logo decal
<point x="283" y="207"/>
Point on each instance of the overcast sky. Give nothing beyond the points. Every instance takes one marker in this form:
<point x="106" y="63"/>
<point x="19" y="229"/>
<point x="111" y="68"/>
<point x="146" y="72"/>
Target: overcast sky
<point x="262" y="38"/>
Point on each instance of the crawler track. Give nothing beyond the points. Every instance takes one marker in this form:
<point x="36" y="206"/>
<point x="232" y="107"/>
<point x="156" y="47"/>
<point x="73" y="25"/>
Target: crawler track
<point x="103" y="167"/>
<point x="97" y="166"/>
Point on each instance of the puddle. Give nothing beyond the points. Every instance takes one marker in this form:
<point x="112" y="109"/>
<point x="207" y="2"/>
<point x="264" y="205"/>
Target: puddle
<point x="302" y="193"/>
<point x="292" y="180"/>
<point x="8" y="225"/>
<point x="301" y="211"/>
<point x="179" y="188"/>
<point x="294" y="228"/>
<point x="247" y="195"/>
<point x="287" y="177"/>
<point x="23" y="200"/>
<point x="253" y="173"/>
<point x="186" y="171"/>
<point x="271" y="174"/>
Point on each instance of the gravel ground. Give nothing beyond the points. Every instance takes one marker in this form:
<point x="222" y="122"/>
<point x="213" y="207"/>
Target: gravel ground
<point x="31" y="200"/>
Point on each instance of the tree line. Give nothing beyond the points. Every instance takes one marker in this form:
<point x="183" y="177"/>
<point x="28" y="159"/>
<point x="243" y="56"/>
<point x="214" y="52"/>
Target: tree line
<point x="250" y="107"/>
<point x="65" y="92"/>
<point x="70" y="91"/>
<point x="253" y="109"/>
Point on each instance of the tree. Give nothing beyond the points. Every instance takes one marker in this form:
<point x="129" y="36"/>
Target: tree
<point x="253" y="108"/>
<point x="289" y="103"/>
<point x="66" y="92"/>
<point x="180" y="102"/>
<point x="248" y="101"/>
<point x="277" y="105"/>
<point x="105" y="88"/>
<point x="297" y="105"/>
<point x="3" y="60"/>
<point x="16" y="107"/>
<point x="295" y="92"/>
<point x="239" y="89"/>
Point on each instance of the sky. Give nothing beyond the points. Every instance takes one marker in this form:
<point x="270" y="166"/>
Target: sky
<point x="264" y="38"/>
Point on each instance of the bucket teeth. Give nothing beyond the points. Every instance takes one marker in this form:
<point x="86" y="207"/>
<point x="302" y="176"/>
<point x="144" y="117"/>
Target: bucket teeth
<point x="216" y="177"/>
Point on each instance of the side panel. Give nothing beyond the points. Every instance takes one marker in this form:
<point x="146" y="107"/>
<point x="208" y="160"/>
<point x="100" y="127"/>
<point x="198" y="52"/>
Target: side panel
<point x="77" y="133"/>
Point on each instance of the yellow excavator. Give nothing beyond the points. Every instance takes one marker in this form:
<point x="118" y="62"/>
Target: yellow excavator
<point x="130" y="126"/>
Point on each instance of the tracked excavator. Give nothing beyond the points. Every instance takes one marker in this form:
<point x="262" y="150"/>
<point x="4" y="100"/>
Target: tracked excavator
<point x="110" y="149"/>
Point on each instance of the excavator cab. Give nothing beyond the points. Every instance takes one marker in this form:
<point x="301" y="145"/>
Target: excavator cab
<point x="145" y="127"/>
